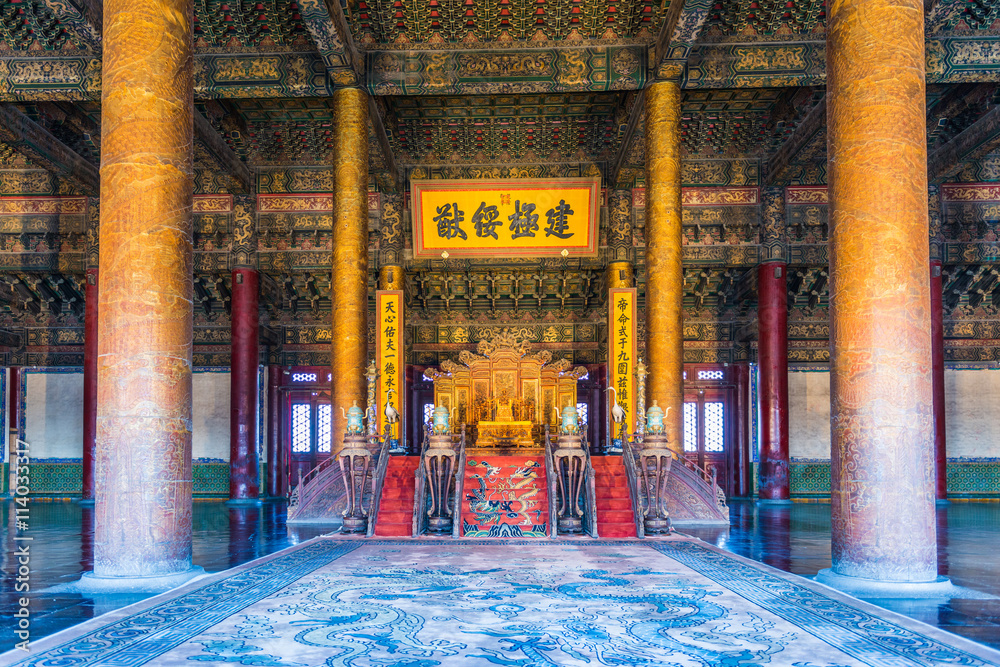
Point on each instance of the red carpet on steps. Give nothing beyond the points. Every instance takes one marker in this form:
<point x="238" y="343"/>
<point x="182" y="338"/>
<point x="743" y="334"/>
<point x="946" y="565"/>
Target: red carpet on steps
<point x="615" y="517"/>
<point x="505" y="496"/>
<point x="395" y="514"/>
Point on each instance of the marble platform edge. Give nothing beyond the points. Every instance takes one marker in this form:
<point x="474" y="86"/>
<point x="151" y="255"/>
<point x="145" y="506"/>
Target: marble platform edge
<point x="940" y="589"/>
<point x="89" y="584"/>
<point x="70" y="634"/>
<point x="982" y="651"/>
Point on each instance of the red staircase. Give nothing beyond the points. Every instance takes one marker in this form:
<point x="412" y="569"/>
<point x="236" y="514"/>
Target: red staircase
<point x="615" y="517"/>
<point x="395" y="514"/>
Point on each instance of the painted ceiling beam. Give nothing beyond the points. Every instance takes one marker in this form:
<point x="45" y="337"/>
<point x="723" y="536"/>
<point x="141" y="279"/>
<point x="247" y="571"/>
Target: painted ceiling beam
<point x="378" y="126"/>
<point x="680" y="30"/>
<point x="9" y="338"/>
<point x="345" y="64"/>
<point x="44" y="149"/>
<point x="980" y="138"/>
<point x="224" y="156"/>
<point x="84" y="18"/>
<point x="324" y="19"/>
<point x="634" y="120"/>
<point x="777" y="164"/>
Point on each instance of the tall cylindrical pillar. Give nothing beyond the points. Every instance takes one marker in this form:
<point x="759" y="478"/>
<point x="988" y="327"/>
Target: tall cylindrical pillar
<point x="882" y="472"/>
<point x="13" y="425"/>
<point x="741" y="457"/>
<point x="772" y="323"/>
<point x="143" y="466"/>
<point x="275" y="457"/>
<point x="937" y="376"/>
<point x="244" y="393"/>
<point x="349" y="288"/>
<point x="89" y="383"/>
<point x="664" y="269"/>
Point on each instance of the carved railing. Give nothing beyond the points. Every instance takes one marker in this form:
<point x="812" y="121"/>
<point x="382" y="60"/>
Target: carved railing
<point x="708" y="475"/>
<point x="550" y="473"/>
<point x="420" y="488"/>
<point x="378" y="480"/>
<point x="457" y="496"/>
<point x="325" y="479"/>
<point x="637" y="492"/>
<point x="305" y="490"/>
<point x="421" y="496"/>
<point x="590" y="494"/>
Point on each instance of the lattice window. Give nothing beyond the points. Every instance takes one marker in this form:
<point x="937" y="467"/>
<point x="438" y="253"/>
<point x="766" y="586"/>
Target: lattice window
<point x="303" y="377"/>
<point x="711" y="375"/>
<point x="301" y="416"/>
<point x="324" y="414"/>
<point x="714" y="426"/>
<point x="690" y="427"/>
<point x="582" y="409"/>
<point x="428" y="412"/>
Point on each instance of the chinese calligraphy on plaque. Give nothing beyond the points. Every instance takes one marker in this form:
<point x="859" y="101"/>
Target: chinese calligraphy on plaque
<point x="621" y="351"/>
<point x="536" y="217"/>
<point x="389" y="344"/>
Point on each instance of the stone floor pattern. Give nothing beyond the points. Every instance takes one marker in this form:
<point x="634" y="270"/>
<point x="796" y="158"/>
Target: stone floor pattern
<point x="422" y="603"/>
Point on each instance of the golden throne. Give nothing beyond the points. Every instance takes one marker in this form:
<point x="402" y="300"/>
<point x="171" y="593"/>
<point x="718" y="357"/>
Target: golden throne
<point x="504" y="393"/>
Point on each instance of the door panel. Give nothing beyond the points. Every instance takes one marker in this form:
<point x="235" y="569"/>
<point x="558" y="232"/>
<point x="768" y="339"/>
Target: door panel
<point x="309" y="421"/>
<point x="706" y="432"/>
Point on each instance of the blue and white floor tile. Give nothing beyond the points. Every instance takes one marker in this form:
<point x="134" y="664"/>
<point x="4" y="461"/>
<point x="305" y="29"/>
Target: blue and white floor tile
<point x="423" y="603"/>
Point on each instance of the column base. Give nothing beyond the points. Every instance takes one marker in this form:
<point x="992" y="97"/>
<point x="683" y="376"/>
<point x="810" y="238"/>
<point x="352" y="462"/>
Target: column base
<point x="774" y="501"/>
<point x="90" y="583"/>
<point x="244" y="502"/>
<point x="872" y="588"/>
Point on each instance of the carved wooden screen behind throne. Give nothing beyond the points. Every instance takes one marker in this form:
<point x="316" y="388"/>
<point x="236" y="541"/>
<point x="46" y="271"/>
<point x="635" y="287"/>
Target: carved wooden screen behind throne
<point x="504" y="383"/>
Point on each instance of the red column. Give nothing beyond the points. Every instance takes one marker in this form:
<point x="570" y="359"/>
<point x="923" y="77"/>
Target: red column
<point x="772" y="321"/>
<point x="89" y="384"/>
<point x="275" y="466"/>
<point x="937" y="377"/>
<point x="243" y="398"/>
<point x="741" y="423"/>
<point x="13" y="421"/>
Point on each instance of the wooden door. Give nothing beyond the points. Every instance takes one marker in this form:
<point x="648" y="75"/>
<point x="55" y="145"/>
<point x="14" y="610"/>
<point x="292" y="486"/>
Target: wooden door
<point x="309" y="422"/>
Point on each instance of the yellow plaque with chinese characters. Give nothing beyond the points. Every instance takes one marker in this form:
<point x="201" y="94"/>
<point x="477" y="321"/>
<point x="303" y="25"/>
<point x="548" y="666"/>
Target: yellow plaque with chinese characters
<point x="389" y="339"/>
<point x="505" y="218"/>
<point x="621" y="353"/>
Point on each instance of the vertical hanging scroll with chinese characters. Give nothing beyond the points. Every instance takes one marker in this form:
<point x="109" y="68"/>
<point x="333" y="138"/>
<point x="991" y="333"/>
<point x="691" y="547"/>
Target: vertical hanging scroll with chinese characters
<point x="389" y="343"/>
<point x="514" y="217"/>
<point x="621" y="353"/>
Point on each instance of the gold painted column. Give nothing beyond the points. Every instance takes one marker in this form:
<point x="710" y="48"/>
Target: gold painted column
<point x="882" y="472"/>
<point x="143" y="461"/>
<point x="664" y="270"/>
<point x="349" y="287"/>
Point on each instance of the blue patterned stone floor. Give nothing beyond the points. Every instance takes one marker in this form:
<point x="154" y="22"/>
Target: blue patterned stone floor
<point x="793" y="538"/>
<point x="62" y="548"/>
<point x="796" y="538"/>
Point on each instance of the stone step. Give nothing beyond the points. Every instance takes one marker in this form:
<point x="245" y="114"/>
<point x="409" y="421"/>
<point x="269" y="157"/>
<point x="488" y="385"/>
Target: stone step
<point x="613" y="503"/>
<point x="613" y="516"/>
<point x="616" y="530"/>
<point x="393" y="529"/>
